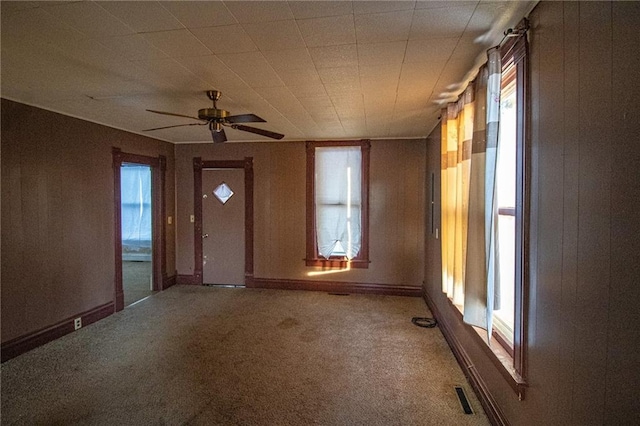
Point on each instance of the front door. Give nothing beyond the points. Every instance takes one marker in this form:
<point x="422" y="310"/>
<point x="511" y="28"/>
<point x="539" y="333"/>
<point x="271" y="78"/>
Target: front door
<point x="223" y="233"/>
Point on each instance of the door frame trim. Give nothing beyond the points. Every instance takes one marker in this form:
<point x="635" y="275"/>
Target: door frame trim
<point x="158" y="247"/>
<point x="247" y="166"/>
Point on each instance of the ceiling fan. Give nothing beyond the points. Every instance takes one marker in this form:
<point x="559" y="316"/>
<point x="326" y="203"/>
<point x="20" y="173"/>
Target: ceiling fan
<point x="218" y="118"/>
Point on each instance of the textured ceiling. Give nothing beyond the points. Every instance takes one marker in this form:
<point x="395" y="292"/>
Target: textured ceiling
<point x="312" y="69"/>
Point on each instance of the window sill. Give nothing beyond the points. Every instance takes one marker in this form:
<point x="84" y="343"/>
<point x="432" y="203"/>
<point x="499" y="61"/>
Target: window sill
<point x="502" y="361"/>
<point x="498" y="356"/>
<point x="338" y="263"/>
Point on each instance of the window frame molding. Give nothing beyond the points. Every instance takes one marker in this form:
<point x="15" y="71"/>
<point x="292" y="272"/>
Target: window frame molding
<point x="515" y="51"/>
<point x="336" y="262"/>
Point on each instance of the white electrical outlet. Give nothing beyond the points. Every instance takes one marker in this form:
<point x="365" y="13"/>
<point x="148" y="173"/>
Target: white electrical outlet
<point x="77" y="323"/>
<point x="192" y="218"/>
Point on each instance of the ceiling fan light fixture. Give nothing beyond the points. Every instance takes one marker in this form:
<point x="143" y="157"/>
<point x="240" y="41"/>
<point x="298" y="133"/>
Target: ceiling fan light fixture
<point x="217" y="132"/>
<point x="216" y="118"/>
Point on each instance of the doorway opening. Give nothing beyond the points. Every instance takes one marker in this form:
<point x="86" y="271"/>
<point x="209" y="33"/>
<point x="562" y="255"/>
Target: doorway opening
<point x="139" y="231"/>
<point x="136" y="232"/>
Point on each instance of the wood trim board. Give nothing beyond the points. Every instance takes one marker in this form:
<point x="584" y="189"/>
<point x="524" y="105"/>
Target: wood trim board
<point x="168" y="281"/>
<point x="336" y="287"/>
<point x="22" y="344"/>
<point x="182" y="279"/>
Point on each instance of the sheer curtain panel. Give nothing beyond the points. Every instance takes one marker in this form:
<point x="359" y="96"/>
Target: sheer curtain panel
<point x="136" y="204"/>
<point x="338" y="200"/>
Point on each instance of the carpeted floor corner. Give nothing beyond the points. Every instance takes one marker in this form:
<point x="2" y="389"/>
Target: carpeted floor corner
<point x="216" y="356"/>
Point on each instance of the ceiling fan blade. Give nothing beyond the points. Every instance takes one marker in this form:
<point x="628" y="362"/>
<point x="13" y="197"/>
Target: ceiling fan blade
<point x="174" y="114"/>
<point x="267" y="133"/>
<point x="244" y="118"/>
<point x="177" y="125"/>
<point x="219" y="136"/>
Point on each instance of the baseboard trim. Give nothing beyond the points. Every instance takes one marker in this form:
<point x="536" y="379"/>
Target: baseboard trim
<point x="22" y="344"/>
<point x="119" y="305"/>
<point x="335" y="287"/>
<point x="168" y="281"/>
<point x="491" y="408"/>
<point x="186" y="280"/>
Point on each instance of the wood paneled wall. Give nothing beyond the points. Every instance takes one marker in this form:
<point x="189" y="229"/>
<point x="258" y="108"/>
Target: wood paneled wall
<point x="396" y="210"/>
<point x="584" y="340"/>
<point x="57" y="215"/>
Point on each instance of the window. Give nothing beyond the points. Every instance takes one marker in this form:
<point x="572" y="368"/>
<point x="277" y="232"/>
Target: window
<point x="512" y="203"/>
<point x="484" y="206"/>
<point x="506" y="176"/>
<point x="337" y="204"/>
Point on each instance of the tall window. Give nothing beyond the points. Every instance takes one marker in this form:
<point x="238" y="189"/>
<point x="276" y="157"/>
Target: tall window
<point x="512" y="202"/>
<point x="506" y="177"/>
<point x="337" y="204"/>
<point x="484" y="204"/>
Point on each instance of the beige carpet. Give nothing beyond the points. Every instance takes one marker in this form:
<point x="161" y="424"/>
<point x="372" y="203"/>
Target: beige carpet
<point x="209" y="356"/>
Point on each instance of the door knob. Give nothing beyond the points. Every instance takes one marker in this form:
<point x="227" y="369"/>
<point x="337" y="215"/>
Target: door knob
<point x="205" y="236"/>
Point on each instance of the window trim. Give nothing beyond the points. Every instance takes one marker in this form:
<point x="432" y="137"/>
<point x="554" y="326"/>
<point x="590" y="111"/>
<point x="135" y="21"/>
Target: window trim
<point x="515" y="51"/>
<point x="519" y="54"/>
<point x="312" y="258"/>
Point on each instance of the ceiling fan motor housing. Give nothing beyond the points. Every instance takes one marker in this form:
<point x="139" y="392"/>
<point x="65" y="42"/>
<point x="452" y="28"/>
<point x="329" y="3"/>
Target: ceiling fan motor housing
<point x="212" y="114"/>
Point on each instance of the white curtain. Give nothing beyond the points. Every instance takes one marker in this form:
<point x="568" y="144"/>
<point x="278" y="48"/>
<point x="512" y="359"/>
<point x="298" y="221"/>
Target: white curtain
<point x="338" y="184"/>
<point x="135" y="192"/>
<point x="482" y="278"/>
